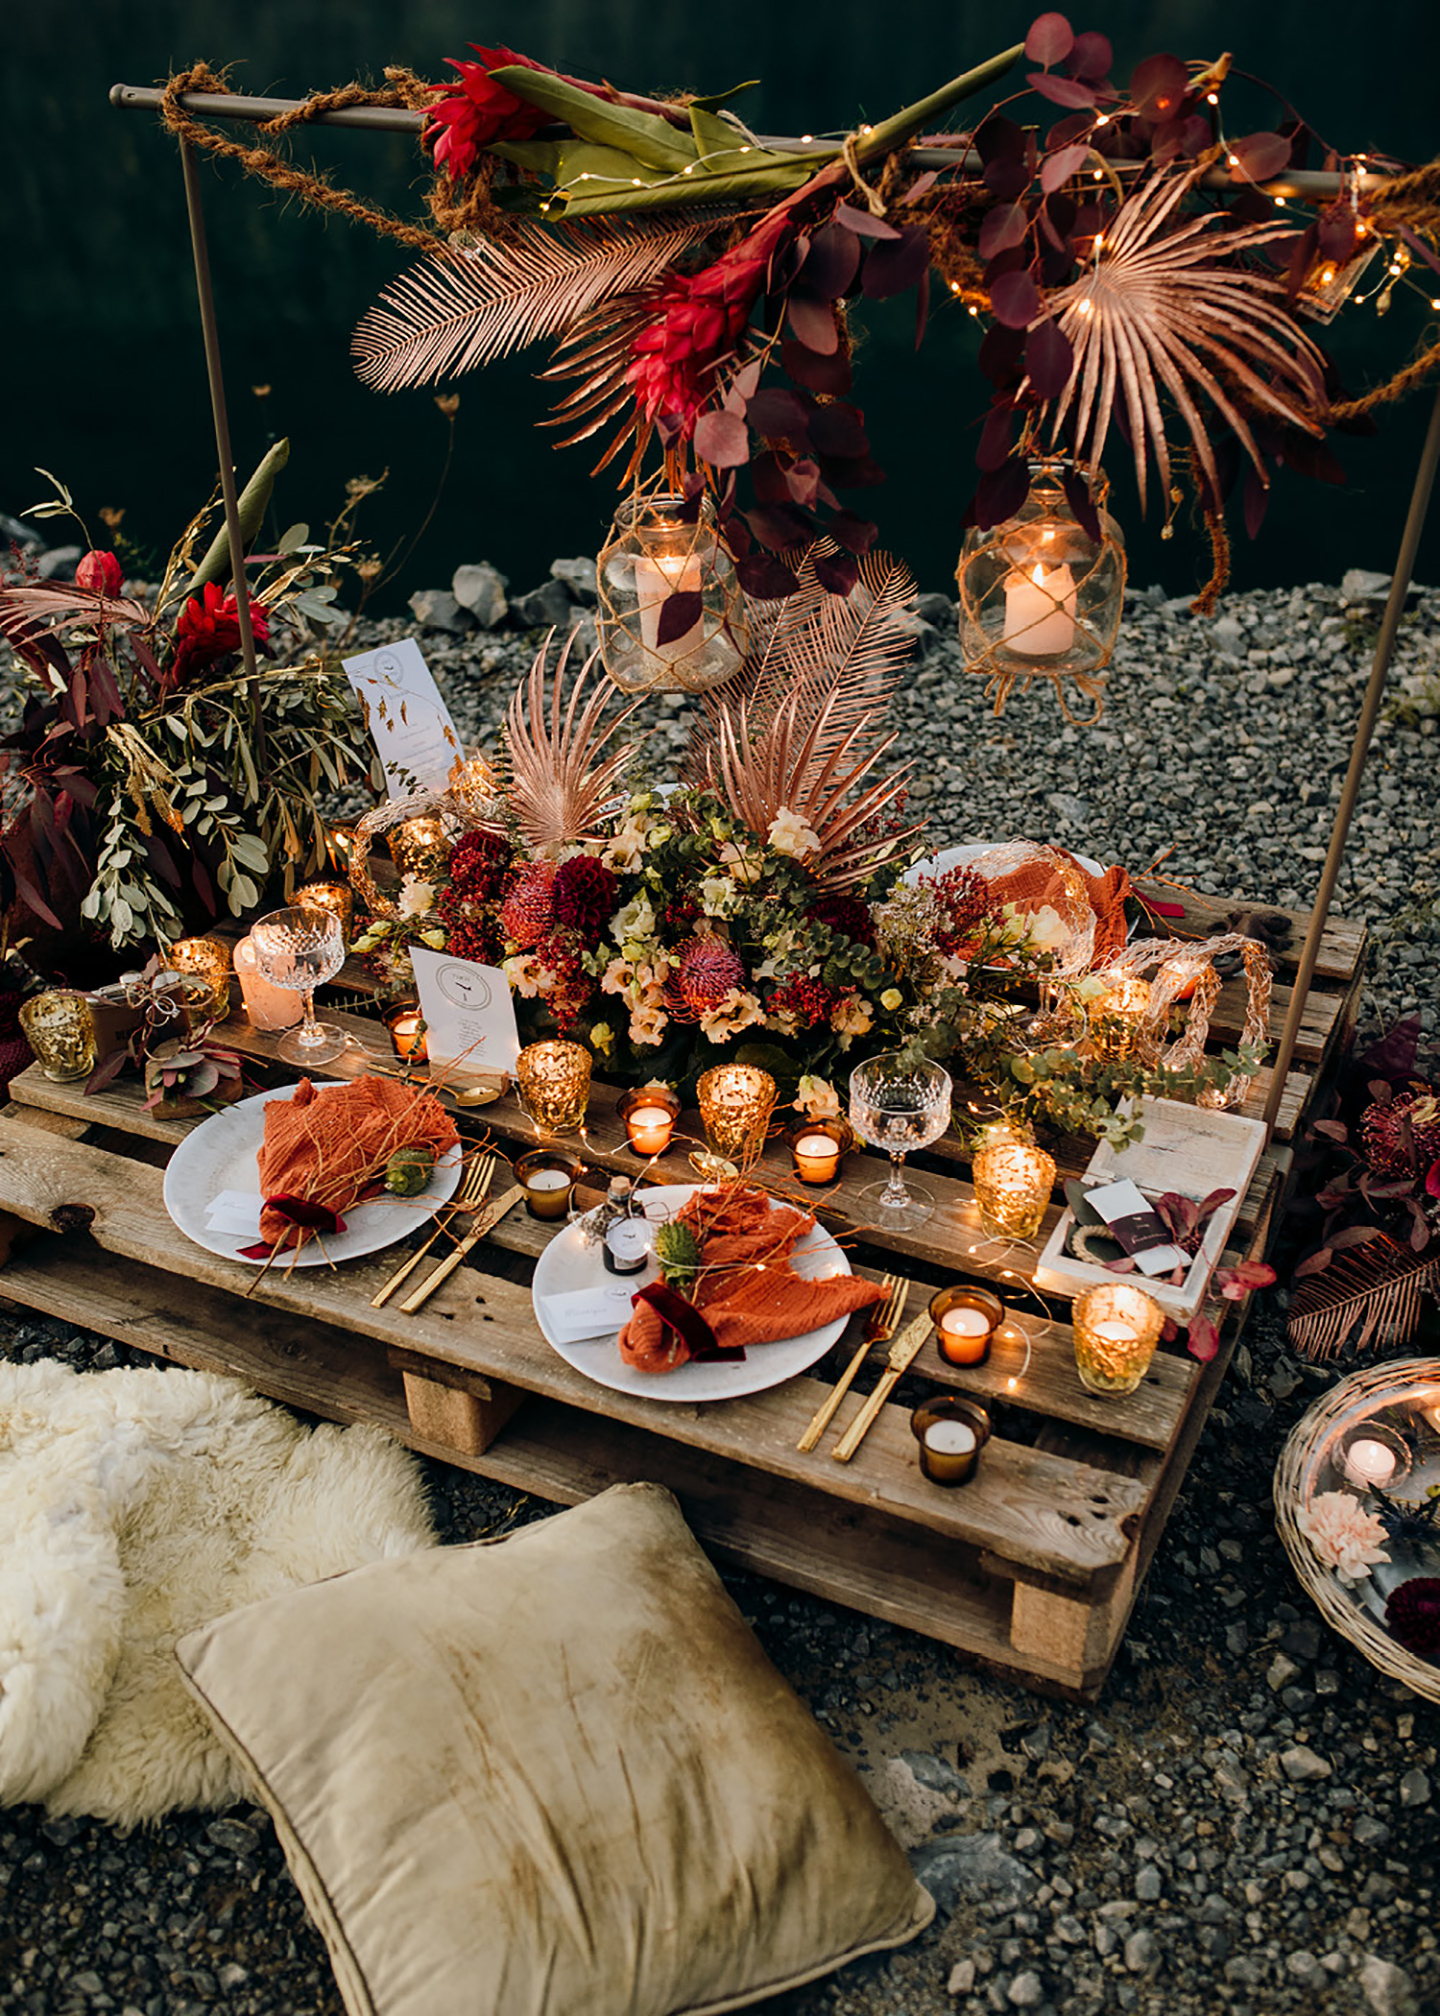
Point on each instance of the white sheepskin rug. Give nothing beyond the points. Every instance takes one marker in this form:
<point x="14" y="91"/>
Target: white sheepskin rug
<point x="136" y="1506"/>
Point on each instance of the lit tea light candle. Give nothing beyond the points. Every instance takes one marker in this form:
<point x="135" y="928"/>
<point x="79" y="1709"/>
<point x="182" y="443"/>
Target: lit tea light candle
<point x="548" y="1181"/>
<point x="407" y="1033"/>
<point x="658" y="576"/>
<point x="1117" y="1327"/>
<point x="1116" y="1333"/>
<point x="649" y="1115"/>
<point x="1368" y="1461"/>
<point x="419" y="847"/>
<point x="966" y="1320"/>
<point x="816" y="1154"/>
<point x="1013" y="1182"/>
<point x="1039" y="611"/>
<point x="336" y="897"/>
<point x="1119" y="1016"/>
<point x="951" y="1432"/>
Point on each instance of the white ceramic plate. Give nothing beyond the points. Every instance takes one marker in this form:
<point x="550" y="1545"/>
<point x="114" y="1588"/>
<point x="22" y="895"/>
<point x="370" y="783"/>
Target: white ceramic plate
<point x="221" y="1155"/>
<point x="961" y="857"/>
<point x="568" y="1263"/>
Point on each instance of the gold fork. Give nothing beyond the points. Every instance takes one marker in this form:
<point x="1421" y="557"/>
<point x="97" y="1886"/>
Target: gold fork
<point x="474" y="1185"/>
<point x="884" y="1315"/>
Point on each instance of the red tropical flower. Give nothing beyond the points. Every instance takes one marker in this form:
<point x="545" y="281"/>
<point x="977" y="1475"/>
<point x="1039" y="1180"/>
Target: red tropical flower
<point x="208" y="629"/>
<point x="697" y="323"/>
<point x="100" y="572"/>
<point x="483" y="110"/>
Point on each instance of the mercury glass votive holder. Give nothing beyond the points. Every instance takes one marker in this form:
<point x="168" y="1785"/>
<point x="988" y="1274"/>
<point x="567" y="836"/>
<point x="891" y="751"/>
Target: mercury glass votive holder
<point x="1118" y="1017"/>
<point x="60" y="1030"/>
<point x="736" y="1101"/>
<point x="1117" y="1327"/>
<point x="1013" y="1181"/>
<point x="420" y="847"/>
<point x="553" y="1081"/>
<point x="337" y="897"/>
<point x="208" y="960"/>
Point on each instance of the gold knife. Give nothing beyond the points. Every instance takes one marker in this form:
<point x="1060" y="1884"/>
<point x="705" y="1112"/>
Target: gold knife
<point x="903" y="1353"/>
<point x="485" y="1221"/>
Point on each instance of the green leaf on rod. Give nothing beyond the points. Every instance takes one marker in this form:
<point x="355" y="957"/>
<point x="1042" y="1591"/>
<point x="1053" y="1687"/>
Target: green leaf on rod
<point x="650" y="139"/>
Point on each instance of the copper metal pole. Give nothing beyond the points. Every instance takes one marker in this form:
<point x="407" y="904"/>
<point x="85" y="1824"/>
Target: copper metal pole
<point x="1369" y="713"/>
<point x="222" y="435"/>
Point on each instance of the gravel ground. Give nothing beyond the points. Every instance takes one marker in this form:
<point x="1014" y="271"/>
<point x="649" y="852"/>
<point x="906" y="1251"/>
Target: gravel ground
<point x="1248" y="1819"/>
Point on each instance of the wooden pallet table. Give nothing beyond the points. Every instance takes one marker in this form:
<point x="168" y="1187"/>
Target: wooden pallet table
<point x="1031" y="1569"/>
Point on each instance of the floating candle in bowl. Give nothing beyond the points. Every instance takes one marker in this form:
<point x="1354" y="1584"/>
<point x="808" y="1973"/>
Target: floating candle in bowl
<point x="548" y="1181"/>
<point x="951" y="1432"/>
<point x="1374" y="1457"/>
<point x="649" y="1115"/>
<point x="965" y="1320"/>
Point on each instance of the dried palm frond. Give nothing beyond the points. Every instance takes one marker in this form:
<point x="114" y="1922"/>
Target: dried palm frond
<point x="30" y="607"/>
<point x="599" y="350"/>
<point x="1162" y="302"/>
<point x="1370" y="1294"/>
<point x="783" y="769"/>
<point x="559" y="779"/>
<point x="463" y="308"/>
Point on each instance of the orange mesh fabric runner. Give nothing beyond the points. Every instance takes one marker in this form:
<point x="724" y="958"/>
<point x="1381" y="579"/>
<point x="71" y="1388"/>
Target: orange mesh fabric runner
<point x="329" y="1147"/>
<point x="1108" y="892"/>
<point x="748" y="1291"/>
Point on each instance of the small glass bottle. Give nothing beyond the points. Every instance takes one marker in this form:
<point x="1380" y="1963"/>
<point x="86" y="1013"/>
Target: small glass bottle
<point x="625" y="1234"/>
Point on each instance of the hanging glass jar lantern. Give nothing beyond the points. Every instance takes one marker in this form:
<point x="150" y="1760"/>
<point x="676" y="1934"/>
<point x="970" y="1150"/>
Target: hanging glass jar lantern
<point x="657" y="572"/>
<point x="1041" y="599"/>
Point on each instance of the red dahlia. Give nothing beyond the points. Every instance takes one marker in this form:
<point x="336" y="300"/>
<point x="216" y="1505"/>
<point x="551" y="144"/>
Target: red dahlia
<point x="846" y="916"/>
<point x="584" y="895"/>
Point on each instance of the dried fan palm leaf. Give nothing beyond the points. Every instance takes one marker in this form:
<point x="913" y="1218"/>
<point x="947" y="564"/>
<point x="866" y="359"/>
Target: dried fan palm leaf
<point x="460" y="309"/>
<point x="1162" y="308"/>
<point x="559" y="778"/>
<point x="599" y="350"/>
<point x="28" y="608"/>
<point x="1372" y="1293"/>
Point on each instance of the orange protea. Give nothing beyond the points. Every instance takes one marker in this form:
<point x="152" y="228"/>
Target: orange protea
<point x="528" y="912"/>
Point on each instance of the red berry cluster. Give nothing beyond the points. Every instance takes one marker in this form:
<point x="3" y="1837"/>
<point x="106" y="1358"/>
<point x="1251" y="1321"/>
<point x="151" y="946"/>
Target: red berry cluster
<point x="804" y="1000"/>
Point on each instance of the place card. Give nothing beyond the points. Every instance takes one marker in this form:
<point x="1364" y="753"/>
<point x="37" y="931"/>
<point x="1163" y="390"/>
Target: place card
<point x="600" y="1312"/>
<point x="1140" y="1230"/>
<point x="236" y="1213"/>
<point x="408" y="721"/>
<point x="469" y="1012"/>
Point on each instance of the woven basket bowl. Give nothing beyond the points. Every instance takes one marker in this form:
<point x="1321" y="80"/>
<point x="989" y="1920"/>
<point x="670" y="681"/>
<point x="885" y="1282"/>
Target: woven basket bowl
<point x="1305" y="1468"/>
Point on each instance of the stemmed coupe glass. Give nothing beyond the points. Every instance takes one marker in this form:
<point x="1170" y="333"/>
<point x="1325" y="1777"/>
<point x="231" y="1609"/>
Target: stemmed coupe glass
<point x="298" y="949"/>
<point x="899" y="1103"/>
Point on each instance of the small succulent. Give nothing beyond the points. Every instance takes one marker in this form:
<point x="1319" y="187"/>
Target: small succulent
<point x="677" y="1251"/>
<point x="200" y="1071"/>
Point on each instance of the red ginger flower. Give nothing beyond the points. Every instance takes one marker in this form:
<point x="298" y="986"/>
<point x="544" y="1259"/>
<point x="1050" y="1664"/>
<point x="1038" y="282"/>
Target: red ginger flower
<point x="697" y="323"/>
<point x="483" y="111"/>
<point x="209" y="629"/>
<point x="100" y="572"/>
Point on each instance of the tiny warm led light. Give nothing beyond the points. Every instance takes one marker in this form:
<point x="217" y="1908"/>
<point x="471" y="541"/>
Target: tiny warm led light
<point x="867" y="129"/>
<point x="1011" y="1384"/>
<point x="688" y="171"/>
<point x="973" y="309"/>
<point x="744" y="150"/>
<point x="1097" y="174"/>
<point x="954" y="286"/>
<point x="636" y="180"/>
<point x="1086" y="307"/>
<point x="806" y="138"/>
<point x="1103" y="120"/>
<point x="1234" y="160"/>
<point x="1435" y="304"/>
<point x="1212" y="97"/>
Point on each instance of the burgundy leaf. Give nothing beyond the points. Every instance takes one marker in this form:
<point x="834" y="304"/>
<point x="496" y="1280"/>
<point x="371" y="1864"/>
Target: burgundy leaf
<point x="862" y="223"/>
<point x="1005" y="226"/>
<point x="1015" y="300"/>
<point x="1001" y="352"/>
<point x="722" y="440"/>
<point x="1256" y="497"/>
<point x="1394" y="1056"/>
<point x="856" y="535"/>
<point x="1058" y="168"/>
<point x="1316" y="1264"/>
<point x="31" y="897"/>
<point x="1354" y="1235"/>
<point x="1258" y="156"/>
<point x="1312" y="458"/>
<point x="778" y="526"/>
<point x="679" y="613"/>
<point x="106" y="1073"/>
<point x="1195" y="135"/>
<point x="828" y="375"/>
<point x="996" y="437"/>
<point x="1006" y="178"/>
<point x="1419" y="1233"/>
<point x="1432" y="1180"/>
<point x="836" y="571"/>
<point x="1000" y="139"/>
<point x="777" y="411"/>
<point x="1333" y="1130"/>
<point x="921" y="186"/>
<point x="1001" y="492"/>
<point x="839" y="430"/>
<point x="1049" y="359"/>
<point x="770" y="479"/>
<point x="1067" y="91"/>
<point x="833" y="263"/>
<point x="1091" y="57"/>
<point x="1050" y="40"/>
<point x="1203" y="1340"/>
<point x="1253" y="1274"/>
<point x="803" y="480"/>
<point x="814" y="324"/>
<point x="1158" y="88"/>
<point x="766" y="579"/>
<point x="896" y="266"/>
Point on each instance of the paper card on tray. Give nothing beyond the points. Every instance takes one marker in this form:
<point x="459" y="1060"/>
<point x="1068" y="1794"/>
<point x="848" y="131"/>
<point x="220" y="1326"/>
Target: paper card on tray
<point x="601" y="1311"/>
<point x="235" y="1212"/>
<point x="408" y="721"/>
<point x="469" y="1012"/>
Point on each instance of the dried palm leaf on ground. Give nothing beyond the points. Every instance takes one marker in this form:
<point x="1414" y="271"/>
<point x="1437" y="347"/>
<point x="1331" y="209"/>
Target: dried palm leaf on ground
<point x="562" y="770"/>
<point x="1370" y="1294"/>
<point x="464" y="308"/>
<point x="1164" y="307"/>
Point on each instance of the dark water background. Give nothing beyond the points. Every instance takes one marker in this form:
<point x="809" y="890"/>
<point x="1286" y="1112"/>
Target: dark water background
<point x="103" y="370"/>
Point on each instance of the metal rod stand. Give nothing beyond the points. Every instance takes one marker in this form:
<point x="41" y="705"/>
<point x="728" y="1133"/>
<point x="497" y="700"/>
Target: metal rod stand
<point x="1369" y="714"/>
<point x="222" y="437"/>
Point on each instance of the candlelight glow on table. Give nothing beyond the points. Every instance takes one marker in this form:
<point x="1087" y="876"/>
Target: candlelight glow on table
<point x="1117" y="1327"/>
<point x="816" y="1147"/>
<point x="407" y="1032"/>
<point x="1013" y="1181"/>
<point x="420" y="847"/>
<point x="266" y="1006"/>
<point x="1374" y="1457"/>
<point x="61" y="1032"/>
<point x="553" y="1081"/>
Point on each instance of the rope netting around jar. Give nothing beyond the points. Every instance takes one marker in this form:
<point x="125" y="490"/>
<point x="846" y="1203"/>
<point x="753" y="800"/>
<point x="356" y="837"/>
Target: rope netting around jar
<point x="1182" y="962"/>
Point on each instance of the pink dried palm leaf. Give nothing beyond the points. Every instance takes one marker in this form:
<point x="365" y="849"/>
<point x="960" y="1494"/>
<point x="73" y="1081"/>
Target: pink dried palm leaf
<point x="562" y="771"/>
<point x="30" y="605"/>
<point x="464" y="308"/>
<point x="599" y="351"/>
<point x="1164" y="307"/>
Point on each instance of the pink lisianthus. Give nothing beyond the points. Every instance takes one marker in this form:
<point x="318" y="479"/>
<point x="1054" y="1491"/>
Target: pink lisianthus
<point x="1343" y="1535"/>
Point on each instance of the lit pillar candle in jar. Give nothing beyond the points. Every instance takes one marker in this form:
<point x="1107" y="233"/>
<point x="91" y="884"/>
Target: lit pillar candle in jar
<point x="951" y="1432"/>
<point x="1013" y="1181"/>
<point x="336" y="897"/>
<point x="658" y="576"/>
<point x="649" y="1115"/>
<point x="1119" y="1016"/>
<point x="267" y="1007"/>
<point x="1039" y="611"/>
<point x="548" y="1181"/>
<point x="1117" y="1327"/>
<point x="407" y="1033"/>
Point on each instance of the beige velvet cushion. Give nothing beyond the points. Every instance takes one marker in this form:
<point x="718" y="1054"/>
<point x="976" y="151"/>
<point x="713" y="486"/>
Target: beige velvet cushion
<point x="552" y="1775"/>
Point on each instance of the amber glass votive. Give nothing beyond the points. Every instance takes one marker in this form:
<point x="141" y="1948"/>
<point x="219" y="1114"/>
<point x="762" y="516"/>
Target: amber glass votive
<point x="336" y="897"/>
<point x="951" y="1432"/>
<point x="420" y="847"/>
<point x="649" y="1114"/>
<point x="553" y="1080"/>
<point x="61" y="1031"/>
<point x="1118" y="1017"/>
<point x="209" y="961"/>
<point x="1013" y="1181"/>
<point x="407" y="1032"/>
<point x="1117" y="1327"/>
<point x="816" y="1147"/>
<point x="548" y="1181"/>
<point x="965" y="1320"/>
<point x="736" y="1101"/>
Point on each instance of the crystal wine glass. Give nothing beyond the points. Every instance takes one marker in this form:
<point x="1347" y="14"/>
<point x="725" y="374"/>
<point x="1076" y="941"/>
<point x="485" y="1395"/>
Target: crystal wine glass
<point x="297" y="949"/>
<point x="899" y="1103"/>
